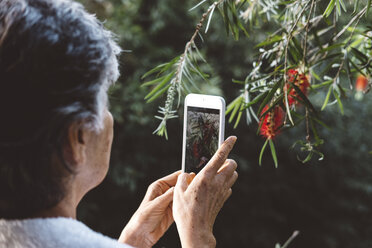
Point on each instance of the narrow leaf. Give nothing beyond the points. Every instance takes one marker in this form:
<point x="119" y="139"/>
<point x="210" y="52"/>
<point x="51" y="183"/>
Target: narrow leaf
<point x="159" y="86"/>
<point x="327" y="97"/>
<point x="339" y="102"/>
<point x="231" y="106"/>
<point x="268" y="97"/>
<point x="303" y="98"/>
<point x="256" y="99"/>
<point x="329" y="8"/>
<point x="159" y="93"/>
<point x="236" y="109"/>
<point x="368" y="6"/>
<point x="155" y="81"/>
<point x="197" y="5"/>
<point x="239" y="117"/>
<point x="262" y="152"/>
<point x="273" y="152"/>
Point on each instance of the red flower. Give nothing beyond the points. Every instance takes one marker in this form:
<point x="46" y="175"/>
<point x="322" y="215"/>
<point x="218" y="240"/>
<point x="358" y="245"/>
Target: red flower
<point x="361" y="83"/>
<point x="271" y="122"/>
<point x="360" y="86"/>
<point x="301" y="81"/>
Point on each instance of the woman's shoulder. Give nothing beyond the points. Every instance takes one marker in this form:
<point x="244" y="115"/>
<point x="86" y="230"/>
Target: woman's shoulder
<point x="52" y="232"/>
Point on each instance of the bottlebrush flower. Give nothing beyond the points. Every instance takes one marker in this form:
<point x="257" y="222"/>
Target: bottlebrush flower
<point x="360" y="86"/>
<point x="271" y="122"/>
<point x="298" y="79"/>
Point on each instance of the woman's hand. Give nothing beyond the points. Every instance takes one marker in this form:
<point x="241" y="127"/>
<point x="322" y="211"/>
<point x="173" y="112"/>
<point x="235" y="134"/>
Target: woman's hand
<point x="198" y="200"/>
<point x="154" y="215"/>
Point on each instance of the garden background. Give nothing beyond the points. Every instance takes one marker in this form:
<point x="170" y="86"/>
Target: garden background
<point x="329" y="201"/>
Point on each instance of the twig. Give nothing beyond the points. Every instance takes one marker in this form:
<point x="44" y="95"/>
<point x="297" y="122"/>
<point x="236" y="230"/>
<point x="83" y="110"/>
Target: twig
<point x="294" y="235"/>
<point x="307" y="125"/>
<point x="188" y="44"/>
<point x="306" y="31"/>
<point x="289" y="38"/>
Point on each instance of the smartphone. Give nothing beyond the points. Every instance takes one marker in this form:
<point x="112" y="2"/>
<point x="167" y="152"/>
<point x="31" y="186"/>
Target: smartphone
<point x="203" y="130"/>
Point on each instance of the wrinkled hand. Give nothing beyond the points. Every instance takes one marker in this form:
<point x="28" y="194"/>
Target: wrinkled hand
<point x="198" y="199"/>
<point x="154" y="215"/>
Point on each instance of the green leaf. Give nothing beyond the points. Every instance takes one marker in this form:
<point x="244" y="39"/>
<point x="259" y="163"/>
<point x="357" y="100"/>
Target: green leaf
<point x="356" y="67"/>
<point x="348" y="71"/>
<point x="161" y="68"/>
<point x="247" y="81"/>
<point x="356" y="4"/>
<point x="270" y="41"/>
<point x="327" y="97"/>
<point x="332" y="47"/>
<point x="236" y="109"/>
<point x="239" y="116"/>
<point x="331" y="56"/>
<point x="368" y="6"/>
<point x="162" y="130"/>
<point x="329" y="8"/>
<point x="197" y="5"/>
<point x="237" y="81"/>
<point x="303" y="98"/>
<point x="235" y="20"/>
<point x="159" y="86"/>
<point x="269" y="96"/>
<point x="298" y="47"/>
<point x="320" y="123"/>
<point x="317" y="86"/>
<point x="362" y="57"/>
<point x="231" y="106"/>
<point x="262" y="152"/>
<point x="226" y="17"/>
<point x="159" y="93"/>
<point x="307" y="159"/>
<point x="256" y="99"/>
<point x="273" y="153"/>
<point x="273" y="105"/>
<point x="155" y="81"/>
<point x="152" y="71"/>
<point x="338" y="7"/>
<point x="335" y="93"/>
<point x="343" y="5"/>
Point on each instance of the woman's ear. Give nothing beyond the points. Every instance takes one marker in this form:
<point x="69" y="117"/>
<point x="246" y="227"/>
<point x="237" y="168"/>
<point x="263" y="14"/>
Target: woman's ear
<point x="76" y="144"/>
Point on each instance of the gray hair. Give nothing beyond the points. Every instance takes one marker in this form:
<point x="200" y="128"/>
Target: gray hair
<point x="109" y="75"/>
<point x="56" y="65"/>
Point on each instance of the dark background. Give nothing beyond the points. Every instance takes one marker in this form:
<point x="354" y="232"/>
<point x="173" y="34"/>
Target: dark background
<point x="328" y="201"/>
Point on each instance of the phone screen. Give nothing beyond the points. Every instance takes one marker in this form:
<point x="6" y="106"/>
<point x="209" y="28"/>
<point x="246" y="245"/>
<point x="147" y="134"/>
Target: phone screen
<point x="202" y="133"/>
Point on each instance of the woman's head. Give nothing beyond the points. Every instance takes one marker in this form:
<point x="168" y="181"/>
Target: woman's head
<point x="56" y="64"/>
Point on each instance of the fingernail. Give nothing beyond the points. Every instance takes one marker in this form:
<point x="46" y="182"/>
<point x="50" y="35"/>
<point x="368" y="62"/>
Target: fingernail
<point x="232" y="139"/>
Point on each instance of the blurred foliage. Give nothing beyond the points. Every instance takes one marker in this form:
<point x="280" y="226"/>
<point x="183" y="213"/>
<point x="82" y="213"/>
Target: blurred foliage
<point x="306" y="48"/>
<point x="329" y="202"/>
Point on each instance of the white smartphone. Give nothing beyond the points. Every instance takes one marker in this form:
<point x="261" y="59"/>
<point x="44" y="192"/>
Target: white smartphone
<point x="203" y="130"/>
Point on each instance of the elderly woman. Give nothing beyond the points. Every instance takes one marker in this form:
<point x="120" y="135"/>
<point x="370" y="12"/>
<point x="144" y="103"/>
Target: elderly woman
<point x="56" y="64"/>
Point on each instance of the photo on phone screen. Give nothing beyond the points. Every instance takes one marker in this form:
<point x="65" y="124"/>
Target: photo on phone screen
<point x="202" y="139"/>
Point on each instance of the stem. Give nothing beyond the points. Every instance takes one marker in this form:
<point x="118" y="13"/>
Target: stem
<point x="307" y="126"/>
<point x="306" y="32"/>
<point x="167" y="111"/>
<point x="294" y="235"/>
<point x="286" y="61"/>
<point x="197" y="30"/>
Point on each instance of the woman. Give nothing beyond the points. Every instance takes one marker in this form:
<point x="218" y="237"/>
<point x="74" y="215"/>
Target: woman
<point x="56" y="64"/>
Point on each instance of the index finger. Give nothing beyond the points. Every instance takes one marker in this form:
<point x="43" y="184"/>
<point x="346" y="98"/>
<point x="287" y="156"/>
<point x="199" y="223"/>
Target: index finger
<point x="221" y="155"/>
